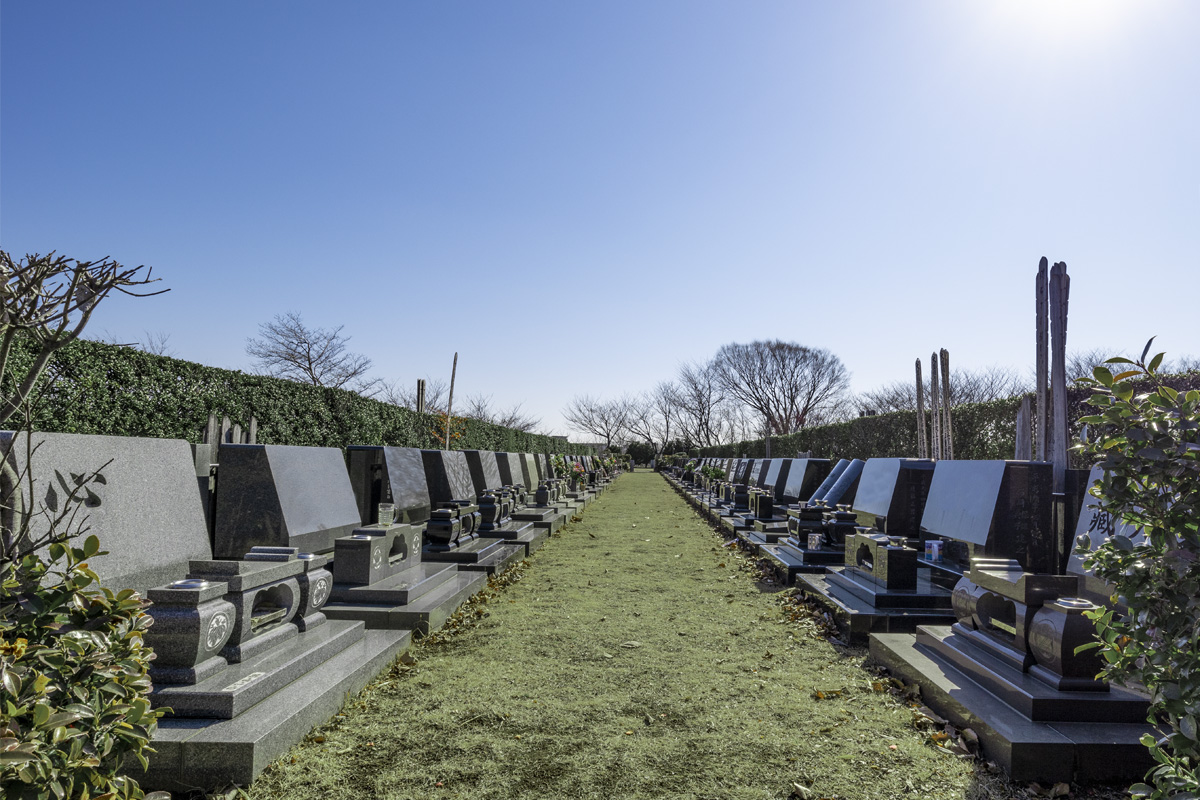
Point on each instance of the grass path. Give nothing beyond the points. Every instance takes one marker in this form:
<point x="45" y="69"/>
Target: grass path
<point x="634" y="657"/>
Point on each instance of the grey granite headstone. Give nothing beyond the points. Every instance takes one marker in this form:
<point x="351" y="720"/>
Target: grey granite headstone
<point x="147" y="515"/>
<point x="271" y="495"/>
<point x="389" y="475"/>
<point x="448" y="476"/>
<point x="509" y="465"/>
<point x="530" y="471"/>
<point x="484" y="471"/>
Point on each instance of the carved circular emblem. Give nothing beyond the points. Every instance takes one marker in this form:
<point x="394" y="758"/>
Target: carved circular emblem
<point x="218" y="631"/>
<point x="320" y="592"/>
<point x="377" y="557"/>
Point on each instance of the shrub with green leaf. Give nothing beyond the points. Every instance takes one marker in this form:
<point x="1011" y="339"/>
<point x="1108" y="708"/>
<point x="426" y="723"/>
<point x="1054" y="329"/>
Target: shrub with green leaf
<point x="1148" y="443"/>
<point x="74" y="676"/>
<point x="74" y="681"/>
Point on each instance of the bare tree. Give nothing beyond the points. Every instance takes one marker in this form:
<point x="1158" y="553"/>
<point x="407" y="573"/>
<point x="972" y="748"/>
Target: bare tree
<point x="48" y="301"/>
<point x="966" y="386"/>
<point x="289" y="349"/>
<point x="398" y="394"/>
<point x="787" y="384"/>
<point x="665" y="399"/>
<point x="156" y="343"/>
<point x="604" y="419"/>
<point x="702" y="407"/>
<point x="480" y="407"/>
<point x="645" y="422"/>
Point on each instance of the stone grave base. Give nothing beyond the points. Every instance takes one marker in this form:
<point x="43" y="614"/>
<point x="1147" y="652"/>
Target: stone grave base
<point x="860" y="619"/>
<point x="790" y="562"/>
<point x="213" y="753"/>
<point x="1028" y="750"/>
<point x="424" y="614"/>
<point x="492" y="556"/>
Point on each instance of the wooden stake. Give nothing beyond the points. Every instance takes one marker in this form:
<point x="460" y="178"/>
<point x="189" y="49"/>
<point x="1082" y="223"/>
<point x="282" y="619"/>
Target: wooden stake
<point x="1041" y="368"/>
<point x="1024" y="450"/>
<point x="947" y="428"/>
<point x="450" y="402"/>
<point x="922" y="445"/>
<point x="420" y="395"/>
<point x="1060" y="290"/>
<point x="935" y="413"/>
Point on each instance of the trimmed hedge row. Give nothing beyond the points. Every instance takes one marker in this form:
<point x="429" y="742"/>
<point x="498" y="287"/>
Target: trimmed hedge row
<point x="101" y="388"/>
<point x="981" y="431"/>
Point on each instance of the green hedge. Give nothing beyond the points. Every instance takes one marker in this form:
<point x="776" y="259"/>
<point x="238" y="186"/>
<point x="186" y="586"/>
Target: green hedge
<point x="981" y="431"/>
<point x="107" y="389"/>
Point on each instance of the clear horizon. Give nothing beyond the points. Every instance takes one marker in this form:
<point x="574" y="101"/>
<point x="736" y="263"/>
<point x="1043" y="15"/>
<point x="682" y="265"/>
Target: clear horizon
<point x="579" y="198"/>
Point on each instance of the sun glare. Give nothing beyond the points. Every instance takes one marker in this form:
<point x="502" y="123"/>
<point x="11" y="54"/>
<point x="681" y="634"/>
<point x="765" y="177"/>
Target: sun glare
<point x="1063" y="22"/>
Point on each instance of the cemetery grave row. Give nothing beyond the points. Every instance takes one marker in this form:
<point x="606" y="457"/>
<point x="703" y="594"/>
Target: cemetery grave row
<point x="961" y="577"/>
<point x="284" y="578"/>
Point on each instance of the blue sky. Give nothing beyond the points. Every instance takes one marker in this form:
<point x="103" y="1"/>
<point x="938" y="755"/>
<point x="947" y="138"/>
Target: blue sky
<point x="577" y="197"/>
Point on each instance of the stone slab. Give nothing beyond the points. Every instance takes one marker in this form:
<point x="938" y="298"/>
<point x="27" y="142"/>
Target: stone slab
<point x="423" y="615"/>
<point x="803" y="477"/>
<point x="402" y="587"/>
<point x="282" y="496"/>
<point x="447" y="476"/>
<point x="859" y="618"/>
<point x="1026" y="750"/>
<point x="211" y="754"/>
<point x="240" y="686"/>
<point x="147" y="514"/>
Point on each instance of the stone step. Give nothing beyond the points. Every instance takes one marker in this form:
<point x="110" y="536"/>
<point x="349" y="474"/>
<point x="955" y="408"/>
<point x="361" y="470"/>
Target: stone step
<point x="212" y="753"/>
<point x="1048" y="752"/>
<point x="399" y="589"/>
<point x="424" y="615"/>
<point x="240" y="686"/>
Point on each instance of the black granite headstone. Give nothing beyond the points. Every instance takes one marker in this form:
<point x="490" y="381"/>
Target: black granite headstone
<point x="1000" y="508"/>
<point x="775" y="476"/>
<point x="483" y="469"/>
<point x="830" y="479"/>
<point x="803" y="477"/>
<point x="448" y="476"/>
<point x="271" y="495"/>
<point x="389" y="475"/>
<point x="1098" y="524"/>
<point x="896" y="489"/>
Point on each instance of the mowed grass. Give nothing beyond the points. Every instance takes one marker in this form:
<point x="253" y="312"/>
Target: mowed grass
<point x="635" y="657"/>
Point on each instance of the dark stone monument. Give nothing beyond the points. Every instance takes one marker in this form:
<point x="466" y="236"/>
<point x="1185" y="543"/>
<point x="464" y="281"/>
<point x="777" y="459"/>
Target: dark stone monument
<point x="244" y="654"/>
<point x="379" y="575"/>
<point x="465" y="487"/>
<point x="281" y="496"/>
<point x="879" y="586"/>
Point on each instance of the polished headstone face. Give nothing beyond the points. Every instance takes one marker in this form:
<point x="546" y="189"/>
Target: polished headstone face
<point x="776" y="475"/>
<point x="271" y="495"/>
<point x="895" y="488"/>
<point x="389" y="475"/>
<point x="803" y="477"/>
<point x="483" y="470"/>
<point x="1098" y="525"/>
<point x="147" y="513"/>
<point x="448" y="476"/>
<point x="509" y="465"/>
<point x="845" y="487"/>
<point x="529" y="470"/>
<point x="1002" y="508"/>
<point x="740" y="469"/>
<point x="830" y="479"/>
